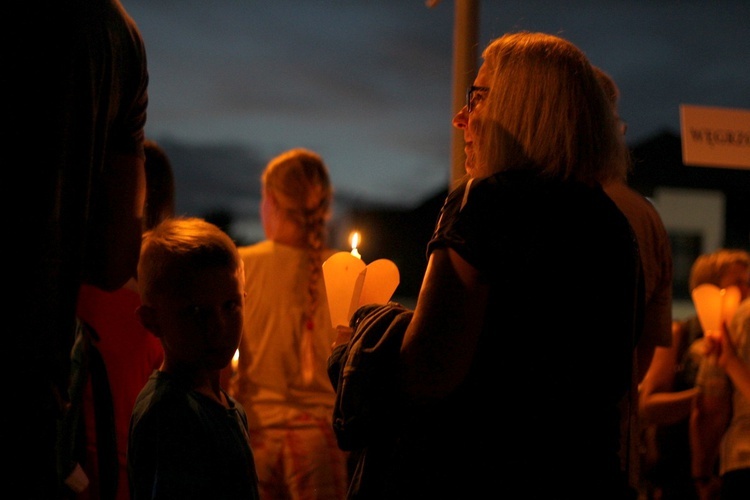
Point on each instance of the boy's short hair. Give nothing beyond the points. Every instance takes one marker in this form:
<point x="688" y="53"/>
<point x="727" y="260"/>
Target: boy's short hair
<point x="177" y="246"/>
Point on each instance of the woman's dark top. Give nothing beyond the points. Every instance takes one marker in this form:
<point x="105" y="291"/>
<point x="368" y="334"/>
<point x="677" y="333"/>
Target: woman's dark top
<point x="538" y="410"/>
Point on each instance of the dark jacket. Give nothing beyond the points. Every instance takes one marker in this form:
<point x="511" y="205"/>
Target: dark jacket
<point x="367" y="411"/>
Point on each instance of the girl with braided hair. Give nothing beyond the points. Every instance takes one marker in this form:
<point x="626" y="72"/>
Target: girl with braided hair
<point x="281" y="372"/>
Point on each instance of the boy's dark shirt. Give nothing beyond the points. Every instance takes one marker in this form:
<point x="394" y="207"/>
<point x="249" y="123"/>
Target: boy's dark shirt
<point x="185" y="445"/>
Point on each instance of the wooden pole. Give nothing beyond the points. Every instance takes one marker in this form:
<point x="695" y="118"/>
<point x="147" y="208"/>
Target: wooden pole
<point x="465" y="57"/>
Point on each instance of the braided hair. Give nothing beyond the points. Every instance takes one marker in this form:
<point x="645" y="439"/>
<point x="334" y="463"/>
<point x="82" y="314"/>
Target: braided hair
<point x="299" y="183"/>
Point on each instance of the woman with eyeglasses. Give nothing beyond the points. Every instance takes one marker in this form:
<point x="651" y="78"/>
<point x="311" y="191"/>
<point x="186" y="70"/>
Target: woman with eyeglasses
<point x="521" y="342"/>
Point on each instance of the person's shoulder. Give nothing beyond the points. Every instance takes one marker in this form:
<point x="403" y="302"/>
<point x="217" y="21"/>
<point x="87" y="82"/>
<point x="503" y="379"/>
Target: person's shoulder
<point x="148" y="401"/>
<point x="168" y="411"/>
<point x="523" y="182"/>
<point x="625" y="196"/>
<point x="255" y="249"/>
<point x="507" y="182"/>
<point x="236" y="405"/>
<point x="162" y="394"/>
<point x="621" y="191"/>
<point x="507" y="179"/>
<point x="496" y="187"/>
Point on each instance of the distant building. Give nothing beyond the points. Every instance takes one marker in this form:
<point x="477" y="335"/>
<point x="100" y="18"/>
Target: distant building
<point x="703" y="208"/>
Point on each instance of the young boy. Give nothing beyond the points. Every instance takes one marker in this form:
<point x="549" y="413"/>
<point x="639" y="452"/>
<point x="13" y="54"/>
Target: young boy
<point x="188" y="438"/>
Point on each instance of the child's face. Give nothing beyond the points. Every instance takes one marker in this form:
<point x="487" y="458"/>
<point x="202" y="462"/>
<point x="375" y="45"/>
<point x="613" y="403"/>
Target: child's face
<point x="201" y="323"/>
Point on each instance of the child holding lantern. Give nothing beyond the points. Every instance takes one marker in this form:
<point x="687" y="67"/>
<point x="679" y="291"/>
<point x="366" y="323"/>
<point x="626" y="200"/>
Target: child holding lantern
<point x="669" y="390"/>
<point x="720" y="416"/>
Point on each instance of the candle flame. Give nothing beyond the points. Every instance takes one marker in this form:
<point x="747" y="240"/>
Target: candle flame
<point x="354" y="238"/>
<point x="236" y="360"/>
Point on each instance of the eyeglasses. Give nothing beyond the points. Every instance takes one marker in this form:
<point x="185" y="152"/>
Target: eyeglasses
<point x="471" y="100"/>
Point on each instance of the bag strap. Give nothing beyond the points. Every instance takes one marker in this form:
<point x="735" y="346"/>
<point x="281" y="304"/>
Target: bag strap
<point x="104" y="418"/>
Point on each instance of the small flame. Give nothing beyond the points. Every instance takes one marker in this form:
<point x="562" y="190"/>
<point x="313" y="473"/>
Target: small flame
<point x="354" y="238"/>
<point x="236" y="360"/>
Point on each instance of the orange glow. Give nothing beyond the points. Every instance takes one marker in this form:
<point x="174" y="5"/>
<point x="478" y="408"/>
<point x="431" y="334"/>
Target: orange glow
<point x="715" y="306"/>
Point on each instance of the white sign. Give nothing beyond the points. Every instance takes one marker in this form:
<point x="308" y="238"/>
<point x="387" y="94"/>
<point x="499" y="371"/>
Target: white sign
<point x="715" y="137"/>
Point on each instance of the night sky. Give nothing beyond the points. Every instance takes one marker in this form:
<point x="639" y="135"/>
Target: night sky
<point x="367" y="83"/>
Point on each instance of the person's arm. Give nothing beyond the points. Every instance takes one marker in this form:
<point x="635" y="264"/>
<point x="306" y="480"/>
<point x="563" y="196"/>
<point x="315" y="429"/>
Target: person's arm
<point x="115" y="240"/>
<point x="343" y="336"/>
<point x="644" y="352"/>
<point x="657" y="403"/>
<point x="709" y="419"/>
<point x="737" y="369"/>
<point x="658" y="326"/>
<point x="441" y="340"/>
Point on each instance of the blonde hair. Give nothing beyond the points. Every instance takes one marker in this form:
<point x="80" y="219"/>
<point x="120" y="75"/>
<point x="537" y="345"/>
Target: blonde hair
<point x="612" y="92"/>
<point x="546" y="110"/>
<point x="710" y="268"/>
<point x="177" y="247"/>
<point x="299" y="183"/>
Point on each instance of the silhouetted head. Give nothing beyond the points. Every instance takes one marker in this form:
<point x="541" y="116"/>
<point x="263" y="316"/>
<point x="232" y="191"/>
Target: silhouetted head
<point x="537" y="104"/>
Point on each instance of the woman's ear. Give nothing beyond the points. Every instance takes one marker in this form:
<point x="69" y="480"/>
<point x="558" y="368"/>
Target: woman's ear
<point x="147" y="317"/>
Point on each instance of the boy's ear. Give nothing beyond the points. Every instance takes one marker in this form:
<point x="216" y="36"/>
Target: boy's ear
<point x="147" y="317"/>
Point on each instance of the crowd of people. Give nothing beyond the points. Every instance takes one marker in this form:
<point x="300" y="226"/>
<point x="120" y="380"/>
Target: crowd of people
<point x="541" y="356"/>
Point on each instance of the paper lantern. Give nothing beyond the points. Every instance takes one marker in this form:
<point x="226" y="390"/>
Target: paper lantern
<point x="715" y="306"/>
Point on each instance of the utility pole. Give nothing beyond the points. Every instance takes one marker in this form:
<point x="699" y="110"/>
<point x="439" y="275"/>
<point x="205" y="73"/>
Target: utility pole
<point x="465" y="43"/>
<point x="465" y="56"/>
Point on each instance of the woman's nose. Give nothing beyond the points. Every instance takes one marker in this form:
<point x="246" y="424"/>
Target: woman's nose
<point x="460" y="120"/>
